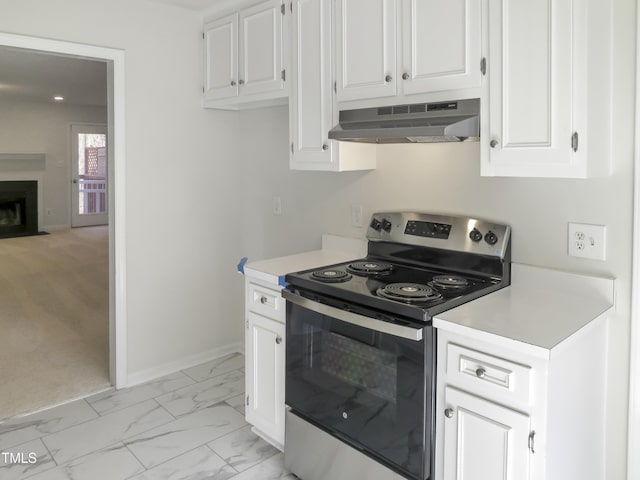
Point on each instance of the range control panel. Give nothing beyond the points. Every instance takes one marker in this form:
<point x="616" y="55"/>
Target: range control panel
<point x="441" y="231"/>
<point x="427" y="229"/>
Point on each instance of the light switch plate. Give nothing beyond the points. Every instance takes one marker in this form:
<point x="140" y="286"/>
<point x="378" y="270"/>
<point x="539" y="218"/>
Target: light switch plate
<point x="587" y="241"/>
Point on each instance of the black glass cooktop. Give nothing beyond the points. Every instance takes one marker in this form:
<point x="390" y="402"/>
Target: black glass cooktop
<point x="394" y="288"/>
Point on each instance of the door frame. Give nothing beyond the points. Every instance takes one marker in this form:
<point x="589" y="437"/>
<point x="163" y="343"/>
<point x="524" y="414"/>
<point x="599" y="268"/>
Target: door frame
<point x="115" y="61"/>
<point x="73" y="150"/>
<point x="633" y="435"/>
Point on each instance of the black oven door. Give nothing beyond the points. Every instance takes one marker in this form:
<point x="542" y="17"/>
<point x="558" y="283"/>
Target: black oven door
<point x="364" y="379"/>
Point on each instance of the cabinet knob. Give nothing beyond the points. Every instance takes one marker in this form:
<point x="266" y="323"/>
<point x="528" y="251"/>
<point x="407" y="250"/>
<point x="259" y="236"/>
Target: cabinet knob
<point x="263" y="300"/>
<point x="240" y="82"/>
<point x="493" y="143"/>
<point x="448" y="413"/>
<point x="388" y="78"/>
<point x="481" y="372"/>
<point x="325" y="147"/>
<point x="278" y="339"/>
<point x="405" y="76"/>
<point x="233" y="83"/>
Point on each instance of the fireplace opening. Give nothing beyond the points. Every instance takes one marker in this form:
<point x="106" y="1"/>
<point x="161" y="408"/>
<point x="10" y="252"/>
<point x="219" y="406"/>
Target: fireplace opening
<point x="18" y="208"/>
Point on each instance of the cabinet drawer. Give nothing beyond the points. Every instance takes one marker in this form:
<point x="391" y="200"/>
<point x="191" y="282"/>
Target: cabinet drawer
<point x="265" y="301"/>
<point x="489" y="376"/>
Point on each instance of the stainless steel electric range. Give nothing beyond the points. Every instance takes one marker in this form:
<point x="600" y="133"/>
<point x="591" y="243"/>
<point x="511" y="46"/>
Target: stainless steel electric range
<point x="360" y="350"/>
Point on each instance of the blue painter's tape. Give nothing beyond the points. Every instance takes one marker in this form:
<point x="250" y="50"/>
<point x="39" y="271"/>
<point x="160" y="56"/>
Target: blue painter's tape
<point x="281" y="281"/>
<point x="243" y="260"/>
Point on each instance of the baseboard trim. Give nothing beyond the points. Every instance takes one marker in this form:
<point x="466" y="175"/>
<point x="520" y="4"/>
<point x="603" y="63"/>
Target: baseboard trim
<point x="153" y="373"/>
<point x="53" y="228"/>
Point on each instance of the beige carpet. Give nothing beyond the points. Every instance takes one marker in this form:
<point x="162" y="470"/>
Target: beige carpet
<point x="54" y="320"/>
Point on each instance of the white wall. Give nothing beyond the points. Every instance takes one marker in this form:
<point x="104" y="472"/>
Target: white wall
<point x="33" y="127"/>
<point x="181" y="182"/>
<point x="446" y="178"/>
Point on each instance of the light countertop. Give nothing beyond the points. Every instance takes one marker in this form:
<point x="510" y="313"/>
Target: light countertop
<point x="541" y="307"/>
<point x="335" y="249"/>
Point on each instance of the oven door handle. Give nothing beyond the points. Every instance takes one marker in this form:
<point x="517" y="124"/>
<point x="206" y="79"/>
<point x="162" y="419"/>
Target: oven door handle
<point x="381" y="326"/>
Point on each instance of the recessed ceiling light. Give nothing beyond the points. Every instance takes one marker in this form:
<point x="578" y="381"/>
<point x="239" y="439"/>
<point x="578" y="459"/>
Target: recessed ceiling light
<point x="58" y="98"/>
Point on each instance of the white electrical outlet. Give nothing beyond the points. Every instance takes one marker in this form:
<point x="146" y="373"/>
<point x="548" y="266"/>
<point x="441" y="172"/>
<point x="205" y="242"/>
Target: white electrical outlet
<point x="277" y="206"/>
<point x="356" y="216"/>
<point x="587" y="241"/>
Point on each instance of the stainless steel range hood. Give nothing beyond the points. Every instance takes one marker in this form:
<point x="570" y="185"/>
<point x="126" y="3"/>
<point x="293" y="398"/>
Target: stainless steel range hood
<point x="453" y="121"/>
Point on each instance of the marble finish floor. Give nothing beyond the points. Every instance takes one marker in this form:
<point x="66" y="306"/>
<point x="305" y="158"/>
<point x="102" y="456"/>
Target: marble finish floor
<point x="188" y="425"/>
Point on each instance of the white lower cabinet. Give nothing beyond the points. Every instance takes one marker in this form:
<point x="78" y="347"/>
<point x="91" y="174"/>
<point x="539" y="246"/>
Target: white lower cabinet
<point x="265" y="353"/>
<point x="513" y="411"/>
<point x="483" y="440"/>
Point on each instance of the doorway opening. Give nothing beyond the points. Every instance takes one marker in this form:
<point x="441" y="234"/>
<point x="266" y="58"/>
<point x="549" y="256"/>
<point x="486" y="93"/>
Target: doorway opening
<point x="107" y="199"/>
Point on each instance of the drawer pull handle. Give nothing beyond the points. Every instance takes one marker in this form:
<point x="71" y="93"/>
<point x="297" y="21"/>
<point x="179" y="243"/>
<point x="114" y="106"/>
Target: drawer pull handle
<point x="448" y="413"/>
<point x="481" y="372"/>
<point x="263" y="300"/>
<point x="531" y="442"/>
<point x="278" y="339"/>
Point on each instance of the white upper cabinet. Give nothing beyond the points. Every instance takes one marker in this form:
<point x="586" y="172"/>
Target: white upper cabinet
<point x="366" y="49"/>
<point x="221" y="59"/>
<point x="312" y="108"/>
<point x="391" y="48"/>
<point x="547" y="112"/>
<point x="441" y="45"/>
<point x="245" y="55"/>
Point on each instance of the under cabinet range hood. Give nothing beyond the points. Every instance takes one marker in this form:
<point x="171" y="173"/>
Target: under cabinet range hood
<point x="453" y="121"/>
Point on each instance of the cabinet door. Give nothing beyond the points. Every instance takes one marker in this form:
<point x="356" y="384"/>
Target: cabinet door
<point x="484" y="440"/>
<point x="264" y="344"/>
<point x="312" y="103"/>
<point x="261" y="59"/>
<point x="365" y="49"/>
<point x="441" y="45"/>
<point x="530" y="90"/>
<point x="221" y="58"/>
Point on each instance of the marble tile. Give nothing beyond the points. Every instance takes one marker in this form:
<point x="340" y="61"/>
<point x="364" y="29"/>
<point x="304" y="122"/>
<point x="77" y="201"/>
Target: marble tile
<point x="204" y="394"/>
<point x="270" y="469"/>
<point x="200" y="463"/>
<point x="19" y="430"/>
<point x="242" y="449"/>
<point x="106" y="430"/>
<point x="112" y="463"/>
<point x="216" y="367"/>
<point x="184" y="434"/>
<point x="24" y="460"/>
<point x="115" y="400"/>
<point x="237" y="402"/>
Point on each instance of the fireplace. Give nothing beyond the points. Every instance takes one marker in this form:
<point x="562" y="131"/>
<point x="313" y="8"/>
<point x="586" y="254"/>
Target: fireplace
<point x="18" y="208"/>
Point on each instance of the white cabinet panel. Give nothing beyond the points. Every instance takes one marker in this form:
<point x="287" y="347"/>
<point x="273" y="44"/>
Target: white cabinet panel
<point x="221" y="58"/>
<point x="483" y="440"/>
<point x="441" y="45"/>
<point x="265" y="376"/>
<point x="542" y="100"/>
<point x="312" y="104"/>
<point x="312" y="109"/>
<point x="365" y="49"/>
<point x="245" y="57"/>
<point x="261" y="48"/>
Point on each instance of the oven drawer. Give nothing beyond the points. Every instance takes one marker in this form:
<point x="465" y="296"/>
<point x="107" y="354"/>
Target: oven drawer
<point x="265" y="301"/>
<point x="489" y="376"/>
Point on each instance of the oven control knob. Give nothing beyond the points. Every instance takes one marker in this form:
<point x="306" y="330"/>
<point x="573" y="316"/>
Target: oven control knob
<point x="475" y="235"/>
<point x="375" y="224"/>
<point x="386" y="225"/>
<point x="491" y="238"/>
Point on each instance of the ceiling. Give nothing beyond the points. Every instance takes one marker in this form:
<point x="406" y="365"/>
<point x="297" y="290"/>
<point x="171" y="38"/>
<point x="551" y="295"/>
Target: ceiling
<point x="191" y="4"/>
<point x="29" y="75"/>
